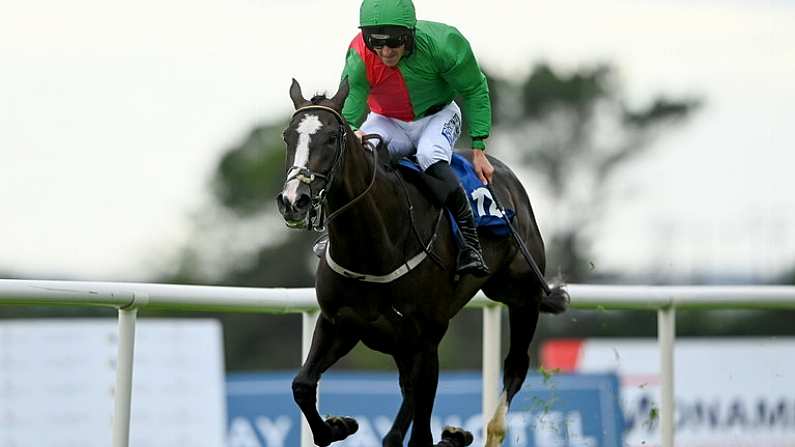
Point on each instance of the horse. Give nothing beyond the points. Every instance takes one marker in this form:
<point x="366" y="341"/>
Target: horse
<point x="388" y="275"/>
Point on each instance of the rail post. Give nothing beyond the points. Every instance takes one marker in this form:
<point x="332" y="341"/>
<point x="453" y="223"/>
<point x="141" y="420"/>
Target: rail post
<point x="124" y="374"/>
<point x="492" y="325"/>
<point x="666" y="332"/>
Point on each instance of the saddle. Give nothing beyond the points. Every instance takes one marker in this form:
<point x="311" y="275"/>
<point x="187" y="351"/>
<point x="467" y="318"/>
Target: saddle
<point x="487" y="216"/>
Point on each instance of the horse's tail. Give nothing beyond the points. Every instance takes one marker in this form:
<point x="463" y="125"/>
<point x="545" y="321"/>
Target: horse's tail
<point x="556" y="302"/>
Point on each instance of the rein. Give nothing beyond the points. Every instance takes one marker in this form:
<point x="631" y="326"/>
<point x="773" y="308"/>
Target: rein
<point x="316" y="220"/>
<point x="369" y="186"/>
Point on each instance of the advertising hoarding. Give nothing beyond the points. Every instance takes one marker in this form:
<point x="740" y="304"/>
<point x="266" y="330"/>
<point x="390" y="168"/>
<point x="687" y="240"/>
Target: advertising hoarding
<point x="557" y="411"/>
<point x="729" y="392"/>
<point x="57" y="379"/>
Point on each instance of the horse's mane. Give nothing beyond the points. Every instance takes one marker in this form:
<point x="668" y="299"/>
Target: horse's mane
<point x="321" y="99"/>
<point x="318" y="99"/>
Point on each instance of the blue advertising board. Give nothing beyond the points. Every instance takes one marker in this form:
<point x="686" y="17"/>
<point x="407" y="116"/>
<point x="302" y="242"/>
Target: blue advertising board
<point x="562" y="410"/>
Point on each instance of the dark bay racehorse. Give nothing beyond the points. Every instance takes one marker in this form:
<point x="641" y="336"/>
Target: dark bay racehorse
<point x="379" y="226"/>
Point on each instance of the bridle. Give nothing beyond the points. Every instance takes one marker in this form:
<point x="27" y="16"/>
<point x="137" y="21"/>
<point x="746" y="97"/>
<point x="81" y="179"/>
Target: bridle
<point x="316" y="219"/>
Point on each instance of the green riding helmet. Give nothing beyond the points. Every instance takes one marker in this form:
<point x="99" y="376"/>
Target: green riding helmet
<point x="382" y="19"/>
<point x="387" y="12"/>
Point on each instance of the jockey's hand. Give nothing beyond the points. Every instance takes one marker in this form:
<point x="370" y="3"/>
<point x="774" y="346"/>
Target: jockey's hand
<point x="359" y="134"/>
<point x="482" y="165"/>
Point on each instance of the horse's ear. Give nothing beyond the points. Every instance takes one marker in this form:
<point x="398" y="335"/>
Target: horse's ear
<point x="296" y="95"/>
<point x="339" y="98"/>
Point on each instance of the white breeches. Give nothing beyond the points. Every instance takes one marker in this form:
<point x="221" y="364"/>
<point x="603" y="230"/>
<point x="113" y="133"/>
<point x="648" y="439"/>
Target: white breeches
<point x="431" y="138"/>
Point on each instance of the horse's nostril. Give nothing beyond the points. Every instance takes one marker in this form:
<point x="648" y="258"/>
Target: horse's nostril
<point x="303" y="202"/>
<point x="280" y="202"/>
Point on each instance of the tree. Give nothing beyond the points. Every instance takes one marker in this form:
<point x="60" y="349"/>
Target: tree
<point x="576" y="131"/>
<point x="788" y="277"/>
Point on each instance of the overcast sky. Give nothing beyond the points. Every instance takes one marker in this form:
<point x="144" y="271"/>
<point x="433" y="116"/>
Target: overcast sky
<point x="113" y="116"/>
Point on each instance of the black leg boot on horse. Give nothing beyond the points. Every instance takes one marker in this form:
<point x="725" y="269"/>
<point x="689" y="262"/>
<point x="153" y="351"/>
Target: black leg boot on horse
<point x="470" y="256"/>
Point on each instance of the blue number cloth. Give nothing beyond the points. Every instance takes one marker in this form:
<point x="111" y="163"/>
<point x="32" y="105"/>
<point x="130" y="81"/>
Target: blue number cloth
<point x="487" y="216"/>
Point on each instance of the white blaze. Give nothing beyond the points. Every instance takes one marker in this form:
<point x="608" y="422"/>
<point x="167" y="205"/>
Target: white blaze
<point x="308" y="126"/>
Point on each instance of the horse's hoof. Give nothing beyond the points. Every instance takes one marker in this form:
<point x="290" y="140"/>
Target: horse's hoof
<point x="495" y="432"/>
<point x="393" y="439"/>
<point x="457" y="437"/>
<point x="341" y="427"/>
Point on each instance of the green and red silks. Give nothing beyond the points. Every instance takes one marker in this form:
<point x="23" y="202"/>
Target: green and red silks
<point x="440" y="67"/>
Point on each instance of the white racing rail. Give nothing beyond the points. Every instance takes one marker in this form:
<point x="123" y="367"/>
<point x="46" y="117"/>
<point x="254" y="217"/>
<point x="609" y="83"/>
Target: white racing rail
<point x="129" y="297"/>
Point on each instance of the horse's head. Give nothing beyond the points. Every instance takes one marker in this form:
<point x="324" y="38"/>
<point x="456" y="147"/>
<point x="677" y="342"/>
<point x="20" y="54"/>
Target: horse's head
<point x="315" y="141"/>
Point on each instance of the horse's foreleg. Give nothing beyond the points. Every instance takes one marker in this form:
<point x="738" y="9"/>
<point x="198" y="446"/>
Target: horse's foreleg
<point x="523" y="322"/>
<point x="403" y="419"/>
<point x="425" y="378"/>
<point x="329" y="344"/>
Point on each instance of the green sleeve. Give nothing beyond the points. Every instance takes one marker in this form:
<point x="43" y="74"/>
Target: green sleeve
<point x="354" y="107"/>
<point x="460" y="69"/>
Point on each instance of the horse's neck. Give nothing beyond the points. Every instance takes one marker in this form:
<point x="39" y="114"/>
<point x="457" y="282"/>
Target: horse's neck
<point x="376" y="224"/>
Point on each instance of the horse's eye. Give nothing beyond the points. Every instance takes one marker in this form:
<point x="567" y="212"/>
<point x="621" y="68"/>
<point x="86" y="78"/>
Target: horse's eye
<point x="332" y="139"/>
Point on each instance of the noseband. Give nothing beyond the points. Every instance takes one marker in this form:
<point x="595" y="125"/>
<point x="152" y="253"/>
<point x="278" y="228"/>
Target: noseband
<point x="316" y="217"/>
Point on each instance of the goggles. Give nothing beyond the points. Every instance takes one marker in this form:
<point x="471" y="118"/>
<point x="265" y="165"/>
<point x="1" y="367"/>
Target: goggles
<point x="378" y="41"/>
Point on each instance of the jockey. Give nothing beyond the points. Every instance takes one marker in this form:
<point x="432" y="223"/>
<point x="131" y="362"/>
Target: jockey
<point x="408" y="72"/>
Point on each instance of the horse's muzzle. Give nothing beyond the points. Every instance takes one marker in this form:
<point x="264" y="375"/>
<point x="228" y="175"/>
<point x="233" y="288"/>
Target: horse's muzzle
<point x="294" y="212"/>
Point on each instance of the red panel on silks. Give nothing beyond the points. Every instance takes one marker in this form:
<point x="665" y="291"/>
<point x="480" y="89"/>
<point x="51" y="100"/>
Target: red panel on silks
<point x="388" y="93"/>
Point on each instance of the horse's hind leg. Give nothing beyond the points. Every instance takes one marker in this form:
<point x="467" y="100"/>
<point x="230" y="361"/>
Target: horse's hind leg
<point x="329" y="344"/>
<point x="523" y="321"/>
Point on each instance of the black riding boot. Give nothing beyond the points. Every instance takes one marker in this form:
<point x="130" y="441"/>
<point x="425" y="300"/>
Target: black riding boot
<point x="470" y="257"/>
